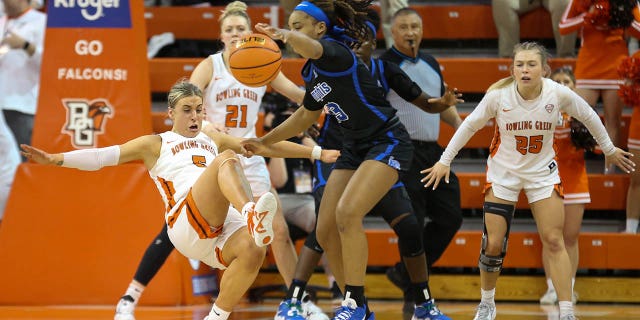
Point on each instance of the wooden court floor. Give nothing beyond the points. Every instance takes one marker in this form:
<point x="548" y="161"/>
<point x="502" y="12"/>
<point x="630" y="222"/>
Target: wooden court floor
<point x="384" y="310"/>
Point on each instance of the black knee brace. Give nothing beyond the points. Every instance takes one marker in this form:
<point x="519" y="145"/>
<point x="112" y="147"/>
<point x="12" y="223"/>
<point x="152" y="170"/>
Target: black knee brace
<point x="312" y="243"/>
<point x="494" y="263"/>
<point x="409" y="236"/>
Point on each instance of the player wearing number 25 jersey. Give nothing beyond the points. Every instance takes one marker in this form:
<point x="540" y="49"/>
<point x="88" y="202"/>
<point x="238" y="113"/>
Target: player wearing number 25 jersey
<point x="522" y="154"/>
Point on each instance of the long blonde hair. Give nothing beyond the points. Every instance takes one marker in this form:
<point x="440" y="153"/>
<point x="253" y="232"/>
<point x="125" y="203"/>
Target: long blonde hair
<point x="534" y="46"/>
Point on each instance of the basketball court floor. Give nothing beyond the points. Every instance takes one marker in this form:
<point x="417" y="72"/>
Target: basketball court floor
<point x="384" y="310"/>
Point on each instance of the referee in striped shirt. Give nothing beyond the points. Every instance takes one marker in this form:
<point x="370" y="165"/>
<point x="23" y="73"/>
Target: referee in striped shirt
<point x="442" y="205"/>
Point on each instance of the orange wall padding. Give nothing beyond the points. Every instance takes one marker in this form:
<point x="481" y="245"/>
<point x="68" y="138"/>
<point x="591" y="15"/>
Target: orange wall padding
<point x="76" y="237"/>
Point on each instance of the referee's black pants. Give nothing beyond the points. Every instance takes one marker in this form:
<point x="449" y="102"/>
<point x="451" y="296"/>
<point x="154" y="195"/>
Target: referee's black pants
<point x="441" y="205"/>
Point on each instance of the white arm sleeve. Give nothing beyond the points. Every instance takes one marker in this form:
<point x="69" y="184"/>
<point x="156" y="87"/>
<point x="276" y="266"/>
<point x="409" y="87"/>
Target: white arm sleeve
<point x="576" y="107"/>
<point x="92" y="159"/>
<point x="474" y="122"/>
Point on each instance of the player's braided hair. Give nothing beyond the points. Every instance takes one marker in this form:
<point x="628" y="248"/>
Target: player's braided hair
<point x="349" y="15"/>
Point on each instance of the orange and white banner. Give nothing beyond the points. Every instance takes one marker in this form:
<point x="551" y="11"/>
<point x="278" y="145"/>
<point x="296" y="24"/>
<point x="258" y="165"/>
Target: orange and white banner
<point x="94" y="83"/>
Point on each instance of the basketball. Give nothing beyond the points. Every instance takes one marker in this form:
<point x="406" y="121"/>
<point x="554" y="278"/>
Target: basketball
<point x="255" y="60"/>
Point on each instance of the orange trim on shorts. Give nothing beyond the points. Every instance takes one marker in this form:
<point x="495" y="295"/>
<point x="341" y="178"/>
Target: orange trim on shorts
<point x="219" y="257"/>
<point x="172" y="219"/>
<point x="559" y="189"/>
<point x="487" y="186"/>
<point x="197" y="221"/>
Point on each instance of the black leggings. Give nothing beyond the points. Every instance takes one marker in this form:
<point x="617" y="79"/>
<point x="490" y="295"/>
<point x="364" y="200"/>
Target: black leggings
<point x="157" y="253"/>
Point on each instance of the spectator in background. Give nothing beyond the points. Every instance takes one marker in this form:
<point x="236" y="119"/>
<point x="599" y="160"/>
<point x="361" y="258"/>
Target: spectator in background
<point x="571" y="140"/>
<point x="629" y="69"/>
<point x="20" y="59"/>
<point x="9" y="161"/>
<point x="506" y="15"/>
<point x="602" y="24"/>
<point x="441" y="205"/>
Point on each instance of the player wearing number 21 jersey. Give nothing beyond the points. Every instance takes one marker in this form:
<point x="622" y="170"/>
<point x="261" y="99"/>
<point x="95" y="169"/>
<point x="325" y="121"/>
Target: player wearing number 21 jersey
<point x="522" y="153"/>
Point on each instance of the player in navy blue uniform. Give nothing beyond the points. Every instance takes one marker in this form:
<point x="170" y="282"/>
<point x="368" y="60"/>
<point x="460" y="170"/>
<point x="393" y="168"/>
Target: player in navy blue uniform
<point x="376" y="145"/>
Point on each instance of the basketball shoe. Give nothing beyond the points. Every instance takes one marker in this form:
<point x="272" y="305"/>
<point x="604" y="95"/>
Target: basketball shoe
<point x="428" y="311"/>
<point x="290" y="309"/>
<point x="125" y="308"/>
<point x="485" y="311"/>
<point x="349" y="310"/>
<point x="310" y="310"/>
<point x="260" y="219"/>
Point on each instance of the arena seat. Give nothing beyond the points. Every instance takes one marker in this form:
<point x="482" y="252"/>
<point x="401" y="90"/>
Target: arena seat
<point x="469" y="75"/>
<point x="446" y="21"/>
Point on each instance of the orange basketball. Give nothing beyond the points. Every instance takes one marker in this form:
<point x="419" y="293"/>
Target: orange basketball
<point x="255" y="60"/>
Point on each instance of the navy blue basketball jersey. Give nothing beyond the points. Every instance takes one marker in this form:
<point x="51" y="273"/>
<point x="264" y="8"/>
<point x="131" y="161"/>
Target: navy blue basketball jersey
<point x="348" y="92"/>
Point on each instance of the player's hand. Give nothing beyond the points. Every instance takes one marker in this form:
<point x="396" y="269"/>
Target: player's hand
<point x="329" y="156"/>
<point x="272" y="32"/>
<point x="451" y="97"/>
<point x="435" y="174"/>
<point x="250" y="147"/>
<point x="622" y="159"/>
<point x="40" y="156"/>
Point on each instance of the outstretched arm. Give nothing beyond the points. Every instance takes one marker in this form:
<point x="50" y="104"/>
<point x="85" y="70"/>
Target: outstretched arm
<point x="282" y="149"/>
<point x="145" y="148"/>
<point x="303" y="45"/>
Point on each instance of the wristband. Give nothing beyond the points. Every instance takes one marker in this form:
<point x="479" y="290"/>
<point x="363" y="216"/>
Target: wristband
<point x="26" y="45"/>
<point x="316" y="153"/>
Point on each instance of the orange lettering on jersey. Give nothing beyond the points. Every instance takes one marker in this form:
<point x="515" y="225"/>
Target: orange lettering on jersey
<point x="250" y="95"/>
<point x="543" y="125"/>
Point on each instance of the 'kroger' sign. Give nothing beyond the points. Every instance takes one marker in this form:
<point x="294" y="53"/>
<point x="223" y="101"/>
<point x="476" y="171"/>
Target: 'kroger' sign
<point x="88" y="14"/>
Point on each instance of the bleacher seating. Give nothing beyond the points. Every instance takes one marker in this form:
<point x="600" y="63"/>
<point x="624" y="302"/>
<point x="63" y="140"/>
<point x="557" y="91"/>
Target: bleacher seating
<point x="469" y="75"/>
<point x="445" y="21"/>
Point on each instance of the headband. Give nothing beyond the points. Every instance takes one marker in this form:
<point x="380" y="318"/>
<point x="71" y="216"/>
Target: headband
<point x="372" y="27"/>
<point x="314" y="11"/>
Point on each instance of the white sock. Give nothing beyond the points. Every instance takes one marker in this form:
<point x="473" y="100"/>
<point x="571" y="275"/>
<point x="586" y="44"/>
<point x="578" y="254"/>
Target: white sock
<point x="550" y="285"/>
<point x="488" y="295"/>
<point x="566" y="308"/>
<point x="573" y="283"/>
<point x="135" y="291"/>
<point x="246" y="208"/>
<point x="218" y="314"/>
<point x="632" y="225"/>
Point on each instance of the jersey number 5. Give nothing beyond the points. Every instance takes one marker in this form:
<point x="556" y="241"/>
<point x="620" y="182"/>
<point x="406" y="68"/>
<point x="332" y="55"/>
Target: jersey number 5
<point x="236" y="116"/>
<point x="530" y="144"/>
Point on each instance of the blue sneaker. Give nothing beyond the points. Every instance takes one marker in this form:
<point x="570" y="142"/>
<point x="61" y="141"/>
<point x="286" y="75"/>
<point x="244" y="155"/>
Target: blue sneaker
<point x="428" y="311"/>
<point x="350" y="311"/>
<point x="289" y="310"/>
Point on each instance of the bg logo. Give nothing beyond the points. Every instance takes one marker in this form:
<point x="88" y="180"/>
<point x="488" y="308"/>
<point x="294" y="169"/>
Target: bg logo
<point x="85" y="120"/>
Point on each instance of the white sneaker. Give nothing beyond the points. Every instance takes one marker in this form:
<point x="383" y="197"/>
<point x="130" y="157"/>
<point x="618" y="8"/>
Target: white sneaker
<point x="549" y="298"/>
<point x="485" y="311"/>
<point x="125" y="308"/>
<point x="159" y="41"/>
<point x="311" y="311"/>
<point x="569" y="317"/>
<point x="260" y="219"/>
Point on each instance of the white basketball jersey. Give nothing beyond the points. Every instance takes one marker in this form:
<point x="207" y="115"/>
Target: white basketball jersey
<point x="231" y="103"/>
<point x="523" y="146"/>
<point x="522" y="151"/>
<point x="182" y="160"/>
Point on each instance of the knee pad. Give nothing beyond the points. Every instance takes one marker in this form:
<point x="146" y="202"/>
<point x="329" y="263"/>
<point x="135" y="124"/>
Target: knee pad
<point x="312" y="243"/>
<point x="494" y="263"/>
<point x="409" y="236"/>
